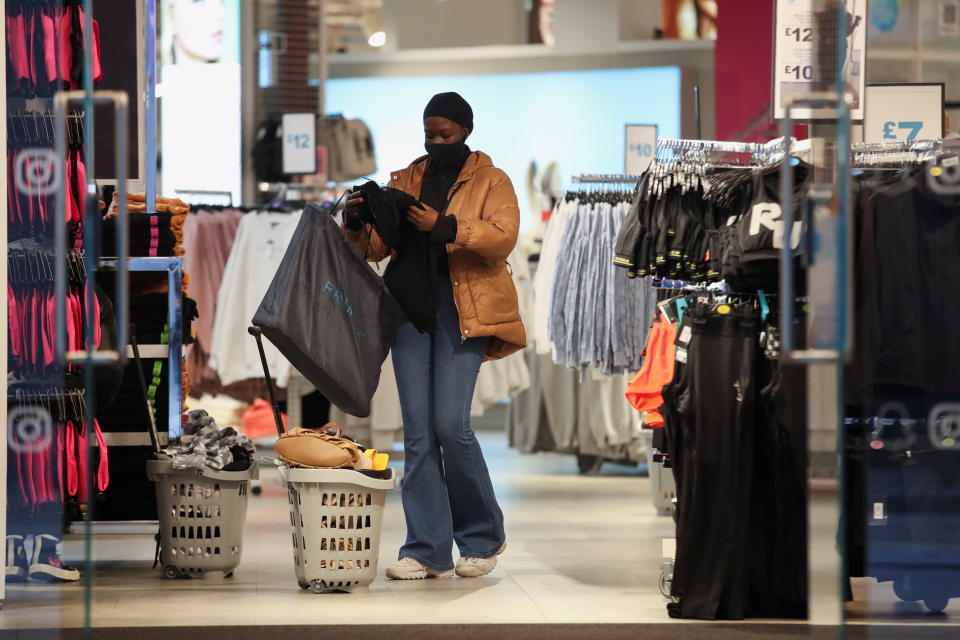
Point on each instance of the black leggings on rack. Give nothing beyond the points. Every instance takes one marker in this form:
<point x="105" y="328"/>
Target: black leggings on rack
<point x="734" y="430"/>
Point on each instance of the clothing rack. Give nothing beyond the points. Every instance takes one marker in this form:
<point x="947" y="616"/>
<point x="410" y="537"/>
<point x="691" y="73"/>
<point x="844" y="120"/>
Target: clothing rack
<point x="36" y="127"/>
<point x="205" y="197"/>
<point x="666" y="284"/>
<point x="36" y="266"/>
<point x="604" y="178"/>
<point x="715" y="154"/>
<point x="60" y="403"/>
<point x="871" y="154"/>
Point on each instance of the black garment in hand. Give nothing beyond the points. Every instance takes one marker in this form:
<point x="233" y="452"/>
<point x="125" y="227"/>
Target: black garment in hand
<point x="409" y="276"/>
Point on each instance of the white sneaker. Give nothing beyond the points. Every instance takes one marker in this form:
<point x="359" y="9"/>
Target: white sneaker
<point x="410" y="569"/>
<point x="476" y="567"/>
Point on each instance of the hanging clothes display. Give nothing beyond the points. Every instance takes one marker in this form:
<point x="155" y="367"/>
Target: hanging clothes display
<point x="42" y="475"/>
<point x="735" y="433"/>
<point x="581" y="410"/>
<point x="45" y="47"/>
<point x="259" y="245"/>
<point x="208" y="237"/>
<point x="31" y="205"/>
<point x="599" y="317"/>
<point x="732" y="417"/>
<point x="704" y="222"/>
<point x="904" y="384"/>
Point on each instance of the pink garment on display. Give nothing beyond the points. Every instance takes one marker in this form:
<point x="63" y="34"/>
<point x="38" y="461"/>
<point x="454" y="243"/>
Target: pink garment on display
<point x="71" y="451"/>
<point x="49" y="47"/>
<point x="103" y="466"/>
<point x="61" y="454"/>
<point x="17" y="45"/>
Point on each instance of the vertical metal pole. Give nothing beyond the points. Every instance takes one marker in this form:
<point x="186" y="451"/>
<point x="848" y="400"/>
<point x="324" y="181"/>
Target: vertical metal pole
<point x="175" y="343"/>
<point x="90" y="207"/>
<point x="696" y="112"/>
<point x="4" y="322"/>
<point x="150" y="41"/>
<point x="842" y="217"/>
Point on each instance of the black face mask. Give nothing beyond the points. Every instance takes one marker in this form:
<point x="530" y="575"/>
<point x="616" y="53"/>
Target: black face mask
<point x="446" y="155"/>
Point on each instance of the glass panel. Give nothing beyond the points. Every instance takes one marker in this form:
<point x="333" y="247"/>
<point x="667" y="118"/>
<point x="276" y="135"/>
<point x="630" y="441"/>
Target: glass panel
<point x="51" y="443"/>
<point x="946" y="72"/>
<point x="902" y="492"/>
<point x="891" y="24"/>
<point x="881" y="71"/>
<point x="939" y="25"/>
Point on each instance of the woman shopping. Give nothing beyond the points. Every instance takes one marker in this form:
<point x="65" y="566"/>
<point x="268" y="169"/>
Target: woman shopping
<point x="467" y="219"/>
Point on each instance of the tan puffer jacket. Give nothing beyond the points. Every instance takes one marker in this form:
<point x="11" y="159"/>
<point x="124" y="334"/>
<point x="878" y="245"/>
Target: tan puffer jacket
<point x="488" y="219"/>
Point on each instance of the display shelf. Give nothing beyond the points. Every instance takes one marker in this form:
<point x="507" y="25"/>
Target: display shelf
<point x="113" y="527"/>
<point x="150" y="351"/>
<point x="132" y="439"/>
<point x="174" y="351"/>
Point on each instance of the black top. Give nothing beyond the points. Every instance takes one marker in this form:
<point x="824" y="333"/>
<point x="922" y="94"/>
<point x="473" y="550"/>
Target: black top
<point x="437" y="183"/>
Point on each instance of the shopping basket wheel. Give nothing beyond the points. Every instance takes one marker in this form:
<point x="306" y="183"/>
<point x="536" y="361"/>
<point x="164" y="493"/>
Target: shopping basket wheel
<point x="304" y="585"/>
<point x="318" y="586"/>
<point x="936" y="605"/>
<point x="664" y="585"/>
<point x="171" y="572"/>
<point x="228" y="574"/>
<point x="256" y="489"/>
<point x="903" y="587"/>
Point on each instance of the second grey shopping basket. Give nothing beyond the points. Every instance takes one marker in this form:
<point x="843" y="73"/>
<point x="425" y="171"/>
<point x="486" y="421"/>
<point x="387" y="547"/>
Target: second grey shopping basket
<point x="201" y="514"/>
<point x="337" y="516"/>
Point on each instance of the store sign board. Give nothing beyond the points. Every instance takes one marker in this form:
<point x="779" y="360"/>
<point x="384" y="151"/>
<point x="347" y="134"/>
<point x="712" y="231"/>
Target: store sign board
<point x="948" y="18"/>
<point x="640" y="147"/>
<point x="903" y="112"/>
<point x="796" y="69"/>
<point x="299" y="143"/>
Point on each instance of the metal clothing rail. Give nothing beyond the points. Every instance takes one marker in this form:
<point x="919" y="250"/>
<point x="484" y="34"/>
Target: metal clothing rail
<point x="605" y="178"/>
<point x="896" y="145"/>
<point x="869" y="154"/>
<point x="726" y="146"/>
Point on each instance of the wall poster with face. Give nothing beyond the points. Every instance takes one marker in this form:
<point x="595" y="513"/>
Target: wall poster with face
<point x="199" y="91"/>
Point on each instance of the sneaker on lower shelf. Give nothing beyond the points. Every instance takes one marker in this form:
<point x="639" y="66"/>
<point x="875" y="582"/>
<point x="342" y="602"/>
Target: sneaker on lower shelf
<point x="476" y="567"/>
<point x="410" y="569"/>
<point x="46" y="565"/>
<point x="17" y="564"/>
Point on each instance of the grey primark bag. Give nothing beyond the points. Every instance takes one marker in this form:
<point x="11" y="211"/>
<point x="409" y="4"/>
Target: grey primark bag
<point x="330" y="314"/>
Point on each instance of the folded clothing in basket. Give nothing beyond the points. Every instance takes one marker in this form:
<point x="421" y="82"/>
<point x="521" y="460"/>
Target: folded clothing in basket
<point x="210" y="446"/>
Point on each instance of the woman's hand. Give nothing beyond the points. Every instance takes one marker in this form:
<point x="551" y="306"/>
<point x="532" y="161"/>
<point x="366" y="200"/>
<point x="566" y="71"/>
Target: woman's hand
<point x="422" y="216"/>
<point x="353" y="204"/>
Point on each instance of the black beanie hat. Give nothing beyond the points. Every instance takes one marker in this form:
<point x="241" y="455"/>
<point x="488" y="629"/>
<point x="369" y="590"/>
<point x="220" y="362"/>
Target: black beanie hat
<point x="451" y="106"/>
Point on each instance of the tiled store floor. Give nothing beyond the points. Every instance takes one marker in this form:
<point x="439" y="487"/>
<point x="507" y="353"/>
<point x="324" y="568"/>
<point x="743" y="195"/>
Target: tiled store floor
<point x="581" y="550"/>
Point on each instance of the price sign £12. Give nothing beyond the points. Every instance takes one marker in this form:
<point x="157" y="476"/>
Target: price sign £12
<point x="299" y="143"/>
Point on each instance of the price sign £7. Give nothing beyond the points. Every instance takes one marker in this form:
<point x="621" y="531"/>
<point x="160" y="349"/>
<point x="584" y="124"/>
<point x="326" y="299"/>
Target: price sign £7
<point x="913" y="127"/>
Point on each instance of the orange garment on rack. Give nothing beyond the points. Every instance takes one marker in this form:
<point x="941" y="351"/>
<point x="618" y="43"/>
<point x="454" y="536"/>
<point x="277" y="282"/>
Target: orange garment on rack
<point x="258" y="420"/>
<point x="644" y="393"/>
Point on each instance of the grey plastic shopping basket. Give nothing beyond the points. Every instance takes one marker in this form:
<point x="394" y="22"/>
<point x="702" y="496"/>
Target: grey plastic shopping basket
<point x="201" y="514"/>
<point x="337" y="516"/>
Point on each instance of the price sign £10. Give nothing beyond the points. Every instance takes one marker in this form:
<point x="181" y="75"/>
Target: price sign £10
<point x="641" y="147"/>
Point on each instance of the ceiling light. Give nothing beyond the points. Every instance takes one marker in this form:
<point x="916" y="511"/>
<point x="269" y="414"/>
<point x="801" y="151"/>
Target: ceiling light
<point x="378" y="39"/>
